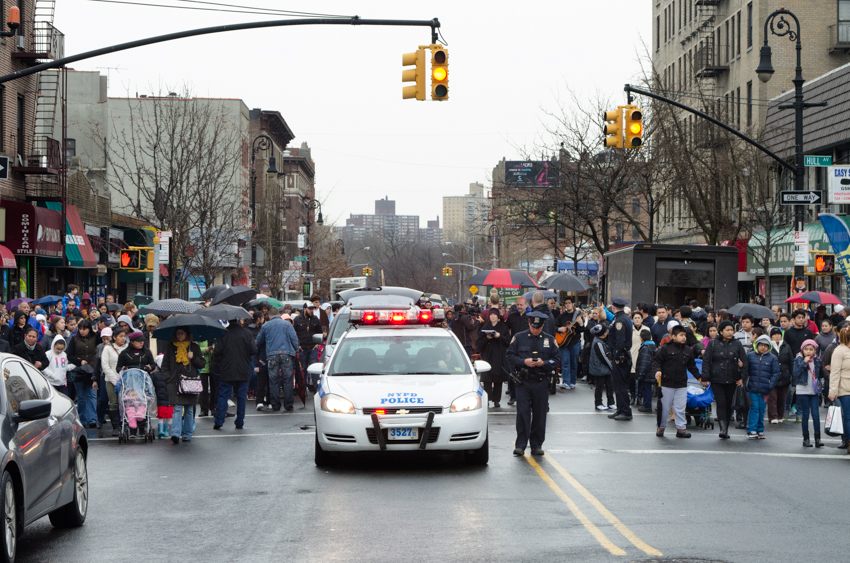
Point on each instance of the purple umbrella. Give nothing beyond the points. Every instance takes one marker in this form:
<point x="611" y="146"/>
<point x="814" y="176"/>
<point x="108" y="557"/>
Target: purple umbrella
<point x="15" y="302"/>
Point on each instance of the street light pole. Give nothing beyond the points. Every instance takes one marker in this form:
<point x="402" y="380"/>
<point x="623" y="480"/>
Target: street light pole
<point x="265" y="143"/>
<point x="777" y="25"/>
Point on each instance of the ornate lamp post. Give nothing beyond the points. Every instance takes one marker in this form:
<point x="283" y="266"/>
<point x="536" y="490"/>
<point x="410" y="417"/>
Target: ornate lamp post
<point x="261" y="142"/>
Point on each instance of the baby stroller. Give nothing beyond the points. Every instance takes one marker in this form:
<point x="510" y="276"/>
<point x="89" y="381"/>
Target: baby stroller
<point x="698" y="407"/>
<point x="137" y="404"/>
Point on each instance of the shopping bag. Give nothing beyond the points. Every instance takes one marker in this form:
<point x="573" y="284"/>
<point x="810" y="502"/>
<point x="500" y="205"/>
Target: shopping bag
<point x="834" y="424"/>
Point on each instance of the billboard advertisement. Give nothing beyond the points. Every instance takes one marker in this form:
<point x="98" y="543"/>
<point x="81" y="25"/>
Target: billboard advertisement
<point x="531" y="174"/>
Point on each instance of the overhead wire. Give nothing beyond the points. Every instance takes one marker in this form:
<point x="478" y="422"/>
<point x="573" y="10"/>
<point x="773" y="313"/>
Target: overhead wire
<point x="705" y="97"/>
<point x="248" y="11"/>
<point x="275" y="10"/>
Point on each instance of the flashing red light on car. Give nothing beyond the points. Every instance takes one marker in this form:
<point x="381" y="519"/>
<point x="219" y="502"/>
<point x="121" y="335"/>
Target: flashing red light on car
<point x="380" y="411"/>
<point x="425" y="316"/>
<point x="369" y="317"/>
<point x="397" y="317"/>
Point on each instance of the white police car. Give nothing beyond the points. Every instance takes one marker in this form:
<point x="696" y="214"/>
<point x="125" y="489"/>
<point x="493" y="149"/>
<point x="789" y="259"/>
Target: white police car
<point x="396" y="381"/>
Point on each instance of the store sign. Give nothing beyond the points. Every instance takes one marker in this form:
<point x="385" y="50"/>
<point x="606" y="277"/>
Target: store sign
<point x="839" y="184"/>
<point x="784" y="251"/>
<point x="37" y="232"/>
<point x="839" y="237"/>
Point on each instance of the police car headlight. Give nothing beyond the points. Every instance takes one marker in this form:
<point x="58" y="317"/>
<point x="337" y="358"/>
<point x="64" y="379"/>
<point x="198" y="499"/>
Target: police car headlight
<point x="467" y="402"/>
<point x="335" y="403"/>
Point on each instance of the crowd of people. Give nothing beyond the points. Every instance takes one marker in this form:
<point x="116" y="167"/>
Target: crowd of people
<point x="784" y="367"/>
<point x="84" y="348"/>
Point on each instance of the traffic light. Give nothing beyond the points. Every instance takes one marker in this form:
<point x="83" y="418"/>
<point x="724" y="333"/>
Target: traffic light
<point x="416" y="74"/>
<point x="613" y="128"/>
<point x="634" y="127"/>
<point x="367" y="271"/>
<point x="130" y="260"/>
<point x="445" y="271"/>
<point x="439" y="73"/>
<point x="448" y="271"/>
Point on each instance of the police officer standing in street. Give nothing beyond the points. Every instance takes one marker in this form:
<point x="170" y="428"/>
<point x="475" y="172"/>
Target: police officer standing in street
<point x="534" y="356"/>
<point x="620" y="343"/>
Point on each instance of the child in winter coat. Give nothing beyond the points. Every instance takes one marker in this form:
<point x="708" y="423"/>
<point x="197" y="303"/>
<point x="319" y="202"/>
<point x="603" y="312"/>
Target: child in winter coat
<point x="643" y="369"/>
<point x="764" y="375"/>
<point x="164" y="412"/>
<point x="57" y="365"/>
<point x="671" y="366"/>
<point x="807" y="371"/>
<point x="601" y="366"/>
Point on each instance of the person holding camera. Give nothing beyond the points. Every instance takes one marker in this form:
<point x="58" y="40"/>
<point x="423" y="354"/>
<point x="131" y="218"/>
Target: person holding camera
<point x="464" y="327"/>
<point x="533" y="355"/>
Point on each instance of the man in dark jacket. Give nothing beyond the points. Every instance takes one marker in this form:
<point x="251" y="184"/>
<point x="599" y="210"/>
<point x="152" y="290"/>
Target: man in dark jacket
<point x="798" y="333"/>
<point x="659" y="329"/>
<point x="233" y="353"/>
<point x="516" y="321"/>
<point x="462" y="326"/>
<point x="537" y="304"/>
<point x="725" y="365"/>
<point x="306" y="325"/>
<point x="671" y="366"/>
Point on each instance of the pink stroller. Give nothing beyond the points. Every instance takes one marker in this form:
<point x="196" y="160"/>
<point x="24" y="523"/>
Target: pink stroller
<point x="137" y="403"/>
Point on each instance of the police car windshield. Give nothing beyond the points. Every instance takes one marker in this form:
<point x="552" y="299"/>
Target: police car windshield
<point x="399" y="355"/>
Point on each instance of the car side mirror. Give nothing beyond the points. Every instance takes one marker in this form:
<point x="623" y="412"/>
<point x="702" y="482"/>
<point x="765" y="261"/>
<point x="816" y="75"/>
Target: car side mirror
<point x="481" y="366"/>
<point x="35" y="409"/>
<point x="315" y="369"/>
<point x="318" y="339"/>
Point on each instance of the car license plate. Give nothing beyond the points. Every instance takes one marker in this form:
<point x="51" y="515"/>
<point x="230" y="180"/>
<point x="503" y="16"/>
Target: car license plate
<point x="403" y="433"/>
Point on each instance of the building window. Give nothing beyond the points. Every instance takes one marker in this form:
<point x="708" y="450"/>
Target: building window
<point x="680" y="14"/>
<point x="619" y="231"/>
<point x="70" y="149"/>
<point x="665" y="25"/>
<point x="738" y="112"/>
<point x="635" y="233"/>
<point x="749" y="25"/>
<point x="672" y="18"/>
<point x="727" y="41"/>
<point x="657" y="32"/>
<point x="635" y="207"/>
<point x="732" y="38"/>
<point x="749" y="103"/>
<point x="738" y="52"/>
<point x="843" y="21"/>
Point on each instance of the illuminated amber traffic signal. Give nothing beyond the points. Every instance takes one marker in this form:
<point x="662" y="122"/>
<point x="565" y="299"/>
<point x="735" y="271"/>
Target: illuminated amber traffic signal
<point x="613" y="128"/>
<point x="129" y="260"/>
<point x="415" y="74"/>
<point x="439" y="73"/>
<point x="634" y="127"/>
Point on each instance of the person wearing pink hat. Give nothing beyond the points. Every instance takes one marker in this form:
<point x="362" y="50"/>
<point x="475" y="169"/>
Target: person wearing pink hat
<point x="807" y="378"/>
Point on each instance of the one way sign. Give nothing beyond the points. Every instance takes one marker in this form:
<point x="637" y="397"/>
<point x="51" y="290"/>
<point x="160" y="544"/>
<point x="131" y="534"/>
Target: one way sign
<point x="794" y="197"/>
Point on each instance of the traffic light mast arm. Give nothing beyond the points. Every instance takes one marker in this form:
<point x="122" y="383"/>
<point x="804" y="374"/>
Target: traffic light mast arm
<point x="631" y="89"/>
<point x="434" y="24"/>
<point x="474" y="268"/>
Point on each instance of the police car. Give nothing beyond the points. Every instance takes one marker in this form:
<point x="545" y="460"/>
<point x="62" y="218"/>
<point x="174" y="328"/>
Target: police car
<point x="395" y="381"/>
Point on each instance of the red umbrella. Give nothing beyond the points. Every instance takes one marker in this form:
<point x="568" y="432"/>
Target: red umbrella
<point x="815" y="297"/>
<point x="298" y="381"/>
<point x="502" y="278"/>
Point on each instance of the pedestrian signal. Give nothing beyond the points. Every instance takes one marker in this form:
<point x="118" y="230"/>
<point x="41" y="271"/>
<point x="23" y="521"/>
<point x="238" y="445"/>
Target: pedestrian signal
<point x="439" y="73"/>
<point x="129" y="260"/>
<point x="634" y="127"/>
<point x="416" y="74"/>
<point x="825" y="264"/>
<point x="613" y="128"/>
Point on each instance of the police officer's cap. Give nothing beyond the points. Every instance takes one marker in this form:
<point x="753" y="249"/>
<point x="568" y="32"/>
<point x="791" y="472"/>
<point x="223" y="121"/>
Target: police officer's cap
<point x="619" y="302"/>
<point x="596" y="330"/>
<point x="536" y="319"/>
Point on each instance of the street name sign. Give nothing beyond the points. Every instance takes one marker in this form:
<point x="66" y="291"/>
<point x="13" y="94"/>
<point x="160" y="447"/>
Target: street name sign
<point x="300" y="258"/>
<point x="818" y="160"/>
<point x="794" y="197"/>
<point x="308" y="275"/>
<point x="4" y="167"/>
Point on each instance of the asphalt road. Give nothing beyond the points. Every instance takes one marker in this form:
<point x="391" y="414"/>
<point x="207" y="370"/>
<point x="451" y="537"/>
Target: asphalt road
<point x="605" y="491"/>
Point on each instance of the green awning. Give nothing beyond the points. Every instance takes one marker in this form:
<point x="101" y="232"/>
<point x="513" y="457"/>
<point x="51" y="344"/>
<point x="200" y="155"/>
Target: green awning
<point x="781" y="261"/>
<point x="78" y="248"/>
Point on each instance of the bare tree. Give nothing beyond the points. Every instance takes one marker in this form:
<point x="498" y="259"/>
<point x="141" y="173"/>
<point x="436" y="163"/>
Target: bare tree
<point x="174" y="162"/>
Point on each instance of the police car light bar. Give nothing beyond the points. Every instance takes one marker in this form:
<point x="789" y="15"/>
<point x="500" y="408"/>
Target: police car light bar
<point x="411" y="316"/>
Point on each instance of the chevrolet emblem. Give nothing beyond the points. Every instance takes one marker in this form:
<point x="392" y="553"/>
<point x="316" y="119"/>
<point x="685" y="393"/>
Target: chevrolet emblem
<point x="402" y="411"/>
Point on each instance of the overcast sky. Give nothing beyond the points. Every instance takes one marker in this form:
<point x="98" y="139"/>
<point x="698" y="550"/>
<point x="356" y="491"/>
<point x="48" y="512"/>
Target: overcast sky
<point x="339" y="87"/>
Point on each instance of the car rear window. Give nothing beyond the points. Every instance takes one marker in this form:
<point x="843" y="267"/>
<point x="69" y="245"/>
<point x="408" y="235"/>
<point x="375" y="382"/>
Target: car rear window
<point x="398" y="354"/>
<point x="340" y="326"/>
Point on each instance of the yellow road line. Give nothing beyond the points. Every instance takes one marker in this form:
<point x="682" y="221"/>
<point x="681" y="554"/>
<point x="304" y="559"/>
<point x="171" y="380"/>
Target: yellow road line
<point x="629" y="535"/>
<point x="585" y="521"/>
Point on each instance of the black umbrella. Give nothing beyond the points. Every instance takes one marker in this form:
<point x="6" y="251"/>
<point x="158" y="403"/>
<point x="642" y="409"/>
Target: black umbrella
<point x="212" y="292"/>
<point x="235" y="295"/>
<point x="202" y="328"/>
<point x="564" y="282"/>
<point x="112" y="307"/>
<point x="224" y="312"/>
<point x="169" y="307"/>
<point x="757" y="311"/>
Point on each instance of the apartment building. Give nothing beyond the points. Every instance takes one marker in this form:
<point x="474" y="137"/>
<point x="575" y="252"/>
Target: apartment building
<point x="464" y="214"/>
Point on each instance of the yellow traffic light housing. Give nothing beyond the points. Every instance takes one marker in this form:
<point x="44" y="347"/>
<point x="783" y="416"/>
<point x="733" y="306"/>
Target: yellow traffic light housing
<point x="439" y="73"/>
<point x="448" y="271"/>
<point x="634" y="127"/>
<point x="613" y="128"/>
<point x="416" y="74"/>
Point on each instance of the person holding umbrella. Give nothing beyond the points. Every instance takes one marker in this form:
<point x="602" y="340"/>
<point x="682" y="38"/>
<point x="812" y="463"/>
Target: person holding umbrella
<point x="233" y="354"/>
<point x="181" y="360"/>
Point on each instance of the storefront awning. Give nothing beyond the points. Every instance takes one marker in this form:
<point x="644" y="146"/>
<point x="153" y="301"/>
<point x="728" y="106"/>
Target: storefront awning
<point x="32" y="231"/>
<point x="78" y="249"/>
<point x="7" y="259"/>
<point x="781" y="258"/>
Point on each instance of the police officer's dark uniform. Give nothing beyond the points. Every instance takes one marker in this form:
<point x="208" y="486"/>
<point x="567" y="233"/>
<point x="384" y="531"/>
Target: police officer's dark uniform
<point x="620" y="343"/>
<point x="532" y="390"/>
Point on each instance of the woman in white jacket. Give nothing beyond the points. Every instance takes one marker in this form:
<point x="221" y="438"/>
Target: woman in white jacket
<point x="109" y="363"/>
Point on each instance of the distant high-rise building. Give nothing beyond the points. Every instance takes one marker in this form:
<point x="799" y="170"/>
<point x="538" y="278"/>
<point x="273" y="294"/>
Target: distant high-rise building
<point x="386" y="223"/>
<point x="465" y="214"/>
<point x="385" y="206"/>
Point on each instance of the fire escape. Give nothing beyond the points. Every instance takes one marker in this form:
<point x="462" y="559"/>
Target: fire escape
<point x="43" y="160"/>
<point x="710" y="61"/>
